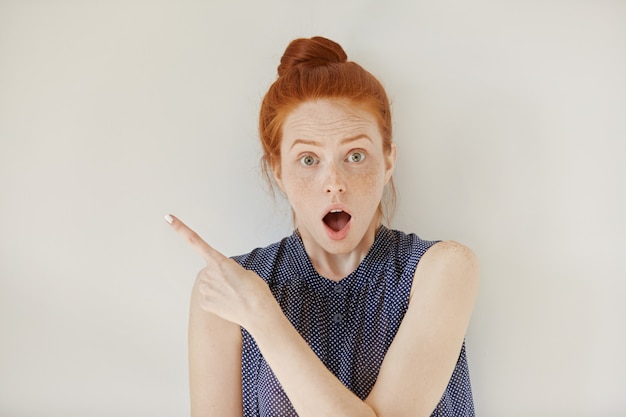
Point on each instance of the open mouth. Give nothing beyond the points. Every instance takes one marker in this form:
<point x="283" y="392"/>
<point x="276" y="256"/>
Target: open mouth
<point x="336" y="219"/>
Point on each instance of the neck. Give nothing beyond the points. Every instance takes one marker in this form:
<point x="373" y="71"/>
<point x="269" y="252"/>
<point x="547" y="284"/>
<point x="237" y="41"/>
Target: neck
<point x="336" y="266"/>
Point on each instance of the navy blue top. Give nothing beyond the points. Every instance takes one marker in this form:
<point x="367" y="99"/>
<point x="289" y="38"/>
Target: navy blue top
<point x="349" y="324"/>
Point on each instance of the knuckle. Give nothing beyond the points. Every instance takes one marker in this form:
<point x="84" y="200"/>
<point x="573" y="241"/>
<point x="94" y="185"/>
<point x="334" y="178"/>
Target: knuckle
<point x="201" y="274"/>
<point x="205" y="304"/>
<point x="193" y="238"/>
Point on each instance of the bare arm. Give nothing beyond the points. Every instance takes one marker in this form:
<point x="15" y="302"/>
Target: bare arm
<point x="312" y="389"/>
<point x="214" y="363"/>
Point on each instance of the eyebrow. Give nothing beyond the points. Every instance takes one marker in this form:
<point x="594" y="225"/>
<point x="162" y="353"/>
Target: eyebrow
<point x="343" y="141"/>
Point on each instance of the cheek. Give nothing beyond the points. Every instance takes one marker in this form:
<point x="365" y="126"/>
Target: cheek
<point x="371" y="179"/>
<point x="297" y="187"/>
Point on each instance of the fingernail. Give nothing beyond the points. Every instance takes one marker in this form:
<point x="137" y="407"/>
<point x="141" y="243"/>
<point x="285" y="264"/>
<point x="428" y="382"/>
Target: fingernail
<point x="169" y="219"/>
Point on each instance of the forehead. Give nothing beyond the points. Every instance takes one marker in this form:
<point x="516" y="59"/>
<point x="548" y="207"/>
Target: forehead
<point x="328" y="118"/>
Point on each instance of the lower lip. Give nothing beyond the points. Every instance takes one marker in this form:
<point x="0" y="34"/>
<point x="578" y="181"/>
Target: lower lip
<point x="338" y="235"/>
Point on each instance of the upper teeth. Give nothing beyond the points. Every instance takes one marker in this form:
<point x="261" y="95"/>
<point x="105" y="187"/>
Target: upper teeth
<point x="336" y="211"/>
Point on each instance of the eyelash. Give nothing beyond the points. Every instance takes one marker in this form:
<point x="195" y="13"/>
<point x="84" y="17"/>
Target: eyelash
<point x="315" y="161"/>
<point x="304" y="157"/>
<point x="356" y="153"/>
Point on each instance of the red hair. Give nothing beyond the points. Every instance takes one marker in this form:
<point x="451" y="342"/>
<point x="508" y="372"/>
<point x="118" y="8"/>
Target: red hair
<point x="318" y="68"/>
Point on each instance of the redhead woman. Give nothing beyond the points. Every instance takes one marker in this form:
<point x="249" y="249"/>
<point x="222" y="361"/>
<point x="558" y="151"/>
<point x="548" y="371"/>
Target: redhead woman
<point x="346" y="316"/>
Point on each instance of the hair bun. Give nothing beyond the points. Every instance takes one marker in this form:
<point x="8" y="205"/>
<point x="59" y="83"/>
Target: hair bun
<point x="316" y="51"/>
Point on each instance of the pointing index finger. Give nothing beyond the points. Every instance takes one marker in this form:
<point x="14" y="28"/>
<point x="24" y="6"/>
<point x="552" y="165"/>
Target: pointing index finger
<point x="205" y="250"/>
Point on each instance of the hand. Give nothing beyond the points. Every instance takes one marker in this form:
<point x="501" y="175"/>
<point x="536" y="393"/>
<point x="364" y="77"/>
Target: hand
<point x="225" y="287"/>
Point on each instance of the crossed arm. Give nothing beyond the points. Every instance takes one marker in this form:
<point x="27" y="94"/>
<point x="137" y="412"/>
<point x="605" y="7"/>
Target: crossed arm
<point x="413" y="375"/>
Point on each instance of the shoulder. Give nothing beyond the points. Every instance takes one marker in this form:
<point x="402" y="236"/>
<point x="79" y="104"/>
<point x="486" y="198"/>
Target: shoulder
<point x="405" y="248"/>
<point x="449" y="264"/>
<point x="451" y="253"/>
<point x="266" y="260"/>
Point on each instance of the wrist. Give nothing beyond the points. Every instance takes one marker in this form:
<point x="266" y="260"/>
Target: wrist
<point x="264" y="315"/>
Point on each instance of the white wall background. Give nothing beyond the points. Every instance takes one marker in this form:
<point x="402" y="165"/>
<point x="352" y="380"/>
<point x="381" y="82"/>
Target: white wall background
<point x="510" y="120"/>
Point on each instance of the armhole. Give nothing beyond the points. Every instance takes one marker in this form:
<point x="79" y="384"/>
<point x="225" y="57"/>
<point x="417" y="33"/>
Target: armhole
<point x="418" y="249"/>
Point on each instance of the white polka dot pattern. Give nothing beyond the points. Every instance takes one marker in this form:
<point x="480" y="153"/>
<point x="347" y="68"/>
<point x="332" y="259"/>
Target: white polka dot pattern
<point x="349" y="324"/>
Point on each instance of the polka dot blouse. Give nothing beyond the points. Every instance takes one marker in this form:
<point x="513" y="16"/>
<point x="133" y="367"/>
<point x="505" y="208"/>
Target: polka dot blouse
<point x="349" y="324"/>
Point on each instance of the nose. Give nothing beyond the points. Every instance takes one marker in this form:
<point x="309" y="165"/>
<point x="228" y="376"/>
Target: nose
<point x="335" y="180"/>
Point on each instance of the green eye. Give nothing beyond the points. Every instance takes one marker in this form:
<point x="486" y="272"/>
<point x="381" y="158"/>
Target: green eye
<point x="308" y="160"/>
<point x="356" y="157"/>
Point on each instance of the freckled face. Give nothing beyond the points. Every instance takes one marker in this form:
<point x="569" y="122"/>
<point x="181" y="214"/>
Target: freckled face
<point x="333" y="171"/>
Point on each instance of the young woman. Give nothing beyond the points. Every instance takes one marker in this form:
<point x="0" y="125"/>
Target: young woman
<point x="345" y="317"/>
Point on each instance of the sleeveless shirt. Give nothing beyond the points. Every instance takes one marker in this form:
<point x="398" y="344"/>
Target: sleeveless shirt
<point x="349" y="324"/>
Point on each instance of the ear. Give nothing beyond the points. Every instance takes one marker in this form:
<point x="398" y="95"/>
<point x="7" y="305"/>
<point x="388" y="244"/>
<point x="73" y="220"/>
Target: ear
<point x="278" y="176"/>
<point x="390" y="162"/>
